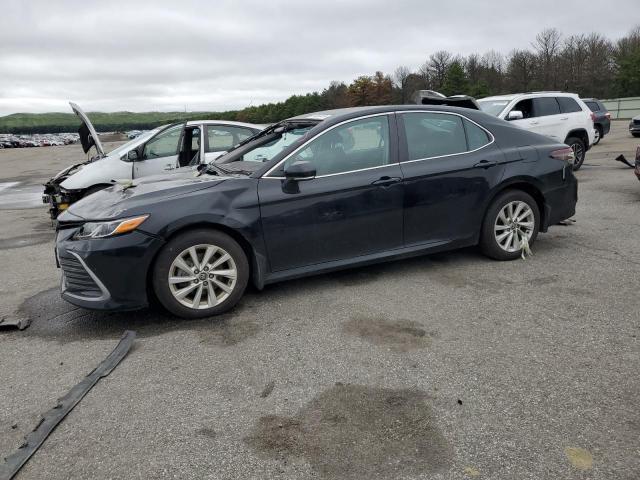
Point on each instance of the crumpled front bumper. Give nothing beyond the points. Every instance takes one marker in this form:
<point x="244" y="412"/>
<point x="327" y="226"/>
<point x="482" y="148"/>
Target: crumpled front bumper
<point x="57" y="198"/>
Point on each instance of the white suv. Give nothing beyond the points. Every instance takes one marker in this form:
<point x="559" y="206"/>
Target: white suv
<point x="561" y="116"/>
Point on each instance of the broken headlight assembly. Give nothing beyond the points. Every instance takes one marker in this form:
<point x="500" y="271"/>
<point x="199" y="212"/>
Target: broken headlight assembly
<point x="109" y="228"/>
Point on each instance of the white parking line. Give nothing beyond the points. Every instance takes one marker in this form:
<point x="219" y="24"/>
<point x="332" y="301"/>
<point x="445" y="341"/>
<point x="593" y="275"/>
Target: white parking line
<point x="4" y="186"/>
<point x="13" y="198"/>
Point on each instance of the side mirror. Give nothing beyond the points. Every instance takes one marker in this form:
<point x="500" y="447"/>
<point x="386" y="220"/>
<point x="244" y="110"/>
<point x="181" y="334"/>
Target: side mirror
<point x="133" y="155"/>
<point x="515" y="115"/>
<point x="300" y="170"/>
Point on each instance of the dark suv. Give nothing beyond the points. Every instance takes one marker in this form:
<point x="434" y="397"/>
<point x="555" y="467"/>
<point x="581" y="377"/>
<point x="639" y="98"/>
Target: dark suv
<point x="601" y="118"/>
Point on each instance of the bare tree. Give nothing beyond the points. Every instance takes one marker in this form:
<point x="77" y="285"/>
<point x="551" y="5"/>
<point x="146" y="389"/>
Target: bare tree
<point x="547" y="47"/>
<point x="521" y="70"/>
<point x="437" y="66"/>
<point x="400" y="76"/>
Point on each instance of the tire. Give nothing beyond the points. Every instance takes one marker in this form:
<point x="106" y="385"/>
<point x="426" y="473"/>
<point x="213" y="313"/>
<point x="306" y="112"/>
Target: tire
<point x="599" y="135"/>
<point x="636" y="134"/>
<point x="494" y="226"/>
<point x="217" y="293"/>
<point x="579" y="150"/>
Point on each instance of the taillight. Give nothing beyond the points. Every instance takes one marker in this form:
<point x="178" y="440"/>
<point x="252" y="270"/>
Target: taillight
<point x="637" y="154"/>
<point x="593" y="117"/>
<point x="564" y="154"/>
<point x="608" y="115"/>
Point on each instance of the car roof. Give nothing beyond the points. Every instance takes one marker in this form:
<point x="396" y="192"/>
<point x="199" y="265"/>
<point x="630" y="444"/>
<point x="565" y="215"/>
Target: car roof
<point x="224" y="122"/>
<point x="530" y="94"/>
<point x="341" y="114"/>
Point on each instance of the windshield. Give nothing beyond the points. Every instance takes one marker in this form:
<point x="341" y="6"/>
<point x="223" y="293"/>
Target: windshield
<point x="136" y="141"/>
<point x="493" y="107"/>
<point x="265" y="152"/>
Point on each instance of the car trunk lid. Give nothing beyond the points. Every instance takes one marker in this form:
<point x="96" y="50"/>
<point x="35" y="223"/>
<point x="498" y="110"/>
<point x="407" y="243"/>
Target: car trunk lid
<point x="431" y="97"/>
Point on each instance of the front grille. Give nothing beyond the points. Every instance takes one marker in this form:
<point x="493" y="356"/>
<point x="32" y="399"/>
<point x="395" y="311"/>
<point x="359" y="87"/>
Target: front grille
<point x="77" y="280"/>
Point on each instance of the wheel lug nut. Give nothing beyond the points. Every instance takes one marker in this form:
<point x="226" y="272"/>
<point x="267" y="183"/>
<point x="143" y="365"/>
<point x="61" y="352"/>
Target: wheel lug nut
<point x="211" y="275"/>
<point x="204" y="283"/>
<point x="196" y="271"/>
<point x="206" y="269"/>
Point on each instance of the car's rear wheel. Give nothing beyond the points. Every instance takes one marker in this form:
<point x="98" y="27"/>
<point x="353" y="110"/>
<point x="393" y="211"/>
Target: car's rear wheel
<point x="511" y="222"/>
<point x="597" y="135"/>
<point x="579" y="151"/>
<point x="200" y="273"/>
<point x="636" y="134"/>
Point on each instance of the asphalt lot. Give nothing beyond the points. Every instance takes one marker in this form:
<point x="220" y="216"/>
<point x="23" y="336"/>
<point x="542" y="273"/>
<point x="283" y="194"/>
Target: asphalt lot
<point x="441" y="367"/>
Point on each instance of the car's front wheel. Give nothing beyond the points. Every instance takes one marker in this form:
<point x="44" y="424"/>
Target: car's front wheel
<point x="511" y="222"/>
<point x="200" y="273"/>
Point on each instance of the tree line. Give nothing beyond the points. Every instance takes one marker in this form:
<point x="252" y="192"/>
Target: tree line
<point x="588" y="64"/>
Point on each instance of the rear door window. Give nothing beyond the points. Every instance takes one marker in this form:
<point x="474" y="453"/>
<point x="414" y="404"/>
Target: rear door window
<point x="221" y="138"/>
<point x="569" y="105"/>
<point x="433" y="135"/>
<point x="545" y="106"/>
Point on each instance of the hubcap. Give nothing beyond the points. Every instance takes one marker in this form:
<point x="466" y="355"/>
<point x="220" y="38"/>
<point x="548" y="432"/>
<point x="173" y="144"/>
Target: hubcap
<point x="514" y="222"/>
<point x="578" y="152"/>
<point x="202" y="276"/>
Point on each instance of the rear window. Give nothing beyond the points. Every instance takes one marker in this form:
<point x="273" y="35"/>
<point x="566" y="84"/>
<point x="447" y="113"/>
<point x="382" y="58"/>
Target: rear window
<point x="569" y="105"/>
<point x="544" y="106"/>
<point x="593" y="106"/>
<point x="476" y="136"/>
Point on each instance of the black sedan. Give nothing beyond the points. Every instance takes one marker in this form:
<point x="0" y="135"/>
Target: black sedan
<point x="312" y="194"/>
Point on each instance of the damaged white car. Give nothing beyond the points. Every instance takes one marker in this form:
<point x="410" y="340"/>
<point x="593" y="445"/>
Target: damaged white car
<point x="162" y="150"/>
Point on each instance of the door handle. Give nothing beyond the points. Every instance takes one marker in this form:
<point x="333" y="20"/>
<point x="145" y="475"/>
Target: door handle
<point x="386" y="181"/>
<point x="485" y="164"/>
<point x="534" y="122"/>
<point x="564" y="118"/>
<point x="168" y="167"/>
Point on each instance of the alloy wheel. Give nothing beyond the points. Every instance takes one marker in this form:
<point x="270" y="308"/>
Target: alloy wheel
<point x="578" y="153"/>
<point x="514" y="223"/>
<point x="596" y="137"/>
<point x="202" y="276"/>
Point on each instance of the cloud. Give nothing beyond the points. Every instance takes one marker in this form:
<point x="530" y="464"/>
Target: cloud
<point x="153" y="55"/>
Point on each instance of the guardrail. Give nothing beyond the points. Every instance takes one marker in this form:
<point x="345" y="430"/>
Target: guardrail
<point x="623" y="108"/>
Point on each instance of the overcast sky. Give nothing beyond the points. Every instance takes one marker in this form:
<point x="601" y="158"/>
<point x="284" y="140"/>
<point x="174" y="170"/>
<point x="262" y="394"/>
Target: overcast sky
<point x="219" y="55"/>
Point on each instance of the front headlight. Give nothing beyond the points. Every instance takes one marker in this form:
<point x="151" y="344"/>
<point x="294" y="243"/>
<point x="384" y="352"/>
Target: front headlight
<point x="110" y="228"/>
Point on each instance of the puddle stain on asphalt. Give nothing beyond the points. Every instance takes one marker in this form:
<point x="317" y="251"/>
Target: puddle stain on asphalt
<point x="399" y="335"/>
<point x="26" y="240"/>
<point x="355" y="432"/>
<point x="579" y="458"/>
<point x="54" y="319"/>
<point x="207" y="432"/>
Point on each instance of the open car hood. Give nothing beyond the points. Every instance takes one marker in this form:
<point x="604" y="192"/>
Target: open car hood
<point x="88" y="135"/>
<point x="431" y="97"/>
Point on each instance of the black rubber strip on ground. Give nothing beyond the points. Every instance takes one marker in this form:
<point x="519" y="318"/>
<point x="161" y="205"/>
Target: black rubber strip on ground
<point x="51" y="419"/>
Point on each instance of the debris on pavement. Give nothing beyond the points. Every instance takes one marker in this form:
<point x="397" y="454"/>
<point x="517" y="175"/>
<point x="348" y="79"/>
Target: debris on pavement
<point x="621" y="158"/>
<point x="51" y="419"/>
<point x="19" y="323"/>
